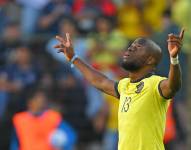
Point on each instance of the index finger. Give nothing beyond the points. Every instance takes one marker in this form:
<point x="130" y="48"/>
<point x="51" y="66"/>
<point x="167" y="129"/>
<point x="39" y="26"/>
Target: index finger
<point x="59" y="38"/>
<point x="181" y="35"/>
<point x="67" y="37"/>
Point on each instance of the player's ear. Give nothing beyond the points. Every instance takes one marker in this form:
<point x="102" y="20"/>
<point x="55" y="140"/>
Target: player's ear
<point x="151" y="60"/>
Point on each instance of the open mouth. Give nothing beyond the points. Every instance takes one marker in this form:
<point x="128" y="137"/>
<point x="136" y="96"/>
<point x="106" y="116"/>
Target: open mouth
<point x="126" y="56"/>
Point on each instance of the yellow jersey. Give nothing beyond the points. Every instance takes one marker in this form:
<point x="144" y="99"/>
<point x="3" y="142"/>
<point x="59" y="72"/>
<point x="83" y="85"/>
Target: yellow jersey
<point x="141" y="114"/>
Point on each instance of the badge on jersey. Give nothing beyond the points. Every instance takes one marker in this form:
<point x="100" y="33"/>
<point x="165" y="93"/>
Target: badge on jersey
<point x="139" y="87"/>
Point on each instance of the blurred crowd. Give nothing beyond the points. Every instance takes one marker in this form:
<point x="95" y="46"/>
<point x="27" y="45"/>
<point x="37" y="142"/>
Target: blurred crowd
<point x="37" y="81"/>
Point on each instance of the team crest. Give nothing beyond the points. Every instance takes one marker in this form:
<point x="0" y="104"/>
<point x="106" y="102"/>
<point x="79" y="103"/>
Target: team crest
<point x="139" y="87"/>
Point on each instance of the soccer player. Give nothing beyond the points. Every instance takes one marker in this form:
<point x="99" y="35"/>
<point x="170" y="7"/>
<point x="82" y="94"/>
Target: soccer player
<point x="144" y="96"/>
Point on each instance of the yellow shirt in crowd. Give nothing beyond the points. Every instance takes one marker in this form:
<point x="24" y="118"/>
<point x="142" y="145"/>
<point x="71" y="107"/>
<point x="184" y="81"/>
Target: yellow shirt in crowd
<point x="113" y="104"/>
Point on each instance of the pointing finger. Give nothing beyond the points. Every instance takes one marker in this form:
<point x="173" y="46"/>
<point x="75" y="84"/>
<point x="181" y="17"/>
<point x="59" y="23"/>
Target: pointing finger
<point x="67" y="37"/>
<point x="57" y="46"/>
<point x="59" y="38"/>
<point x="181" y="35"/>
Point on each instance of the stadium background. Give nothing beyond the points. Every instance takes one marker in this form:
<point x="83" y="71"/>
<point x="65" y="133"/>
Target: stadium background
<point x="101" y="30"/>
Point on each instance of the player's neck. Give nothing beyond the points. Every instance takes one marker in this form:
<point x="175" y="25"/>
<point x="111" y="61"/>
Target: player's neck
<point x="140" y="74"/>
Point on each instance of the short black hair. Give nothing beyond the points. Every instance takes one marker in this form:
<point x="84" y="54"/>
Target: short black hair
<point x="167" y="13"/>
<point x="32" y="91"/>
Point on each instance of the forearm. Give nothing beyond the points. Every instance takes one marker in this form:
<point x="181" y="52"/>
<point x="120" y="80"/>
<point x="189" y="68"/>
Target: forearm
<point x="170" y="86"/>
<point x="95" y="78"/>
<point x="174" y="78"/>
<point x="90" y="74"/>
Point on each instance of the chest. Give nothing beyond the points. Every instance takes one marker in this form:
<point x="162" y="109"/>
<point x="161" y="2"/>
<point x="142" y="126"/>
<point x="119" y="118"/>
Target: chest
<point x="135" y="98"/>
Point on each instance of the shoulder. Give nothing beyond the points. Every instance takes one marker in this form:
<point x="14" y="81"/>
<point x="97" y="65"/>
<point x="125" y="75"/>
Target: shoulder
<point x="53" y="115"/>
<point x="19" y="116"/>
<point x="121" y="84"/>
<point x="155" y="81"/>
<point x="124" y="80"/>
<point x="156" y="78"/>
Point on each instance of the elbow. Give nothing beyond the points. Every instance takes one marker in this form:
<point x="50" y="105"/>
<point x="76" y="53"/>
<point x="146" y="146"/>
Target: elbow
<point x="173" y="90"/>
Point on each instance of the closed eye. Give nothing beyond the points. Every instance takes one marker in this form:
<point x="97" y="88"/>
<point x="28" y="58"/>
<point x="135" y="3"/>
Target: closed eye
<point x="138" y="45"/>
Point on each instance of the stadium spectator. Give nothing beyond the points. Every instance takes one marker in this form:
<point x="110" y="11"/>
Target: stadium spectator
<point x="21" y="69"/>
<point x="30" y="11"/>
<point x="40" y="128"/>
<point x="153" y="13"/>
<point x="105" y="44"/>
<point x="2" y="2"/>
<point x="131" y="20"/>
<point x="10" y="12"/>
<point x="11" y="33"/>
<point x="51" y="15"/>
<point x="4" y="93"/>
<point x="170" y="129"/>
<point x="106" y="7"/>
<point x="181" y="15"/>
<point x="85" y="13"/>
<point x="10" y="39"/>
<point x="2" y="15"/>
<point x="68" y="25"/>
<point x="17" y="75"/>
<point x="71" y="100"/>
<point x="110" y="136"/>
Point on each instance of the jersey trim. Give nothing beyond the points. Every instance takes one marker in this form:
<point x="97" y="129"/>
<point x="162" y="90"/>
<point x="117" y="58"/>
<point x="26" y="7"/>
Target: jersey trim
<point x="116" y="89"/>
<point x="146" y="76"/>
<point x="160" y="91"/>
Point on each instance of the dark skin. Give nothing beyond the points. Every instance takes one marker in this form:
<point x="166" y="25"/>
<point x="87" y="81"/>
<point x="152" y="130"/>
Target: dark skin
<point x="37" y="103"/>
<point x="139" y="59"/>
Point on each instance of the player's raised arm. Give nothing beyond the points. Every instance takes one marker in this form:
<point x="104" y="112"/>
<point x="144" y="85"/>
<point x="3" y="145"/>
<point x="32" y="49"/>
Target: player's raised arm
<point x="96" y="78"/>
<point x="170" y="86"/>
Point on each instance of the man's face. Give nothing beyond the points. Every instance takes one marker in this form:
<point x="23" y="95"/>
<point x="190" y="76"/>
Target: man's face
<point x="23" y="56"/>
<point x="38" y="102"/>
<point x="135" y="56"/>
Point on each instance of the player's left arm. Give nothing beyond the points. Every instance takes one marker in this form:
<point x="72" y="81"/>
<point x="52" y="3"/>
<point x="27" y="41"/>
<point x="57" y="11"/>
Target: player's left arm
<point x="170" y="86"/>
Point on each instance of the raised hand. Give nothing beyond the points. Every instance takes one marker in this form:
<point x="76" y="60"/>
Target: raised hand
<point x="65" y="46"/>
<point x="175" y="43"/>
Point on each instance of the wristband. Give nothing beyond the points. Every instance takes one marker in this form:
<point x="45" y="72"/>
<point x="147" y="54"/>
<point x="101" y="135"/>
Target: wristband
<point x="174" y="61"/>
<point x="73" y="59"/>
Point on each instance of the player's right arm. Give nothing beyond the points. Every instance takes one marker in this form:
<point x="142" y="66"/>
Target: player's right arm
<point x="94" y="77"/>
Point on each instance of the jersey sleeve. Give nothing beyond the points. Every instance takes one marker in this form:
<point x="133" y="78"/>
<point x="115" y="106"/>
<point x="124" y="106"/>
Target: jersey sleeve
<point x="116" y="89"/>
<point x="157" y="89"/>
<point x="119" y="86"/>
